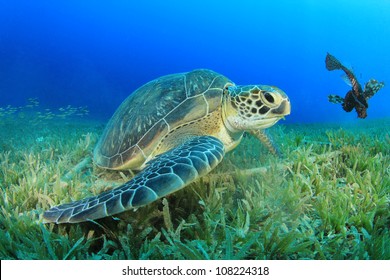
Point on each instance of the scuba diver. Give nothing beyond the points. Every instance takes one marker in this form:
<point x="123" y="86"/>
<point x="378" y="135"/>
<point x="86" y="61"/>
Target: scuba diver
<point x="356" y="97"/>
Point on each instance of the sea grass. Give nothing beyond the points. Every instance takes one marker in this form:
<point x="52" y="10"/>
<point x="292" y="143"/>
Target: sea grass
<point x="327" y="197"/>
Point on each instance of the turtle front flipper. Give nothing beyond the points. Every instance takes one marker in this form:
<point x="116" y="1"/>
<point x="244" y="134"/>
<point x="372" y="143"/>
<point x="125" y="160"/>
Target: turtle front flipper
<point x="165" y="174"/>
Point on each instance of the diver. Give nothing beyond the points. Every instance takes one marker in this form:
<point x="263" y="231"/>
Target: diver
<point x="356" y="97"/>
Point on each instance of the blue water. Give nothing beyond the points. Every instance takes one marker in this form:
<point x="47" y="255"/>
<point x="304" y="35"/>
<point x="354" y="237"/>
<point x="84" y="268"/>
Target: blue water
<point x="96" y="53"/>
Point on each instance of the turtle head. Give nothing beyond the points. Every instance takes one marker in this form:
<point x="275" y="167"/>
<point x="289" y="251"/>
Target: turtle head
<point x="253" y="107"/>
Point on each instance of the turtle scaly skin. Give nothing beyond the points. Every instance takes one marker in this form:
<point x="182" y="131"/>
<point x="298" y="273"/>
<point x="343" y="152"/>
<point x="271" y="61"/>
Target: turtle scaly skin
<point x="175" y="129"/>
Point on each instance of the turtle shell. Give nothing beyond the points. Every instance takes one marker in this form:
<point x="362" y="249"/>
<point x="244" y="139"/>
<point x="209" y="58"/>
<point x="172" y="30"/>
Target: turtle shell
<point x="154" y="110"/>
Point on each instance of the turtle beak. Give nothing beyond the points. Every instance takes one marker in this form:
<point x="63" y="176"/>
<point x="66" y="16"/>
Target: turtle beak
<point x="283" y="109"/>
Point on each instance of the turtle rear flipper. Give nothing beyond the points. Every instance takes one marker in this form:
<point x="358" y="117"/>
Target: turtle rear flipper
<point x="166" y="174"/>
<point x="336" y="99"/>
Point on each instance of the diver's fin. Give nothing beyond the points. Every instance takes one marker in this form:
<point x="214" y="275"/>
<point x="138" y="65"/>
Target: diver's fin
<point x="335" y="99"/>
<point x="332" y="63"/>
<point x="266" y="139"/>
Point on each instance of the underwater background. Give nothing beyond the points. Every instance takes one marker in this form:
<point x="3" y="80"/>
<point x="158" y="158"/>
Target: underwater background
<point x="65" y="67"/>
<point x="95" y="53"/>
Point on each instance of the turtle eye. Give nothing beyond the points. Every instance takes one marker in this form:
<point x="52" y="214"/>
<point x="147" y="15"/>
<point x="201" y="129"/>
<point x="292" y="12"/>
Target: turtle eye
<point x="269" y="97"/>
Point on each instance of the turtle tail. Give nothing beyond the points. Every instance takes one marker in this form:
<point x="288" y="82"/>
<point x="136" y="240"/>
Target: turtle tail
<point x="332" y="63"/>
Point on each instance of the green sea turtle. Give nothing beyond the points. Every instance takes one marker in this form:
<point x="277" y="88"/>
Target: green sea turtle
<point x="357" y="97"/>
<point x="175" y="129"/>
